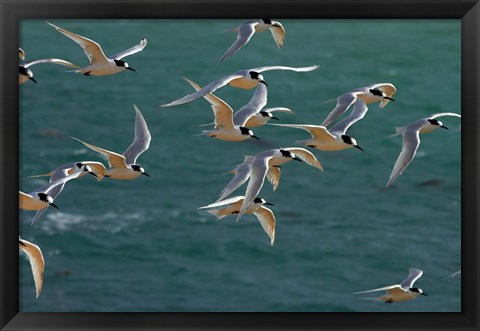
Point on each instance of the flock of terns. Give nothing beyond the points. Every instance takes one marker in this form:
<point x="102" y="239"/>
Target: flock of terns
<point x="231" y="126"/>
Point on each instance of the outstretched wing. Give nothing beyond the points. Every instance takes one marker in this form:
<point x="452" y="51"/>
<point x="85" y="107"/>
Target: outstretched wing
<point x="267" y="220"/>
<point x="278" y="33"/>
<point x="297" y="69"/>
<point x="132" y="50"/>
<point x="37" y="262"/>
<point x="413" y="275"/>
<point x="343" y="103"/>
<point x="359" y="110"/>
<point x="54" y="61"/>
<point x="256" y="103"/>
<point x="92" y="50"/>
<point x="411" y="141"/>
<point x="223" y="202"/>
<point x="222" y="111"/>
<point x="210" y="88"/>
<point x="241" y="175"/>
<point x="316" y="131"/>
<point x="306" y="156"/>
<point x="142" y="139"/>
<point x="115" y="160"/>
<point x="444" y="114"/>
<point x="386" y="288"/>
<point x="273" y="176"/>
<point x="244" y="33"/>
<point x="258" y="172"/>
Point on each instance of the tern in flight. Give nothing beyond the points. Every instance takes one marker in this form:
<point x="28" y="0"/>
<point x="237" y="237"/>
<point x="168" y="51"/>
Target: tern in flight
<point x="40" y="198"/>
<point x="382" y="92"/>
<point x="411" y="141"/>
<point x="96" y="169"/>
<point x="248" y="29"/>
<point x="255" y="168"/>
<point x="333" y="139"/>
<point x="100" y="64"/>
<point x="400" y="292"/>
<point x="265" y="216"/>
<point x="123" y="166"/>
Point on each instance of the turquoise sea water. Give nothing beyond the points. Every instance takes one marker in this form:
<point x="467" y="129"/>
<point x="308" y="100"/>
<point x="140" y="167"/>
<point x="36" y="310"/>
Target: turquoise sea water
<point x="142" y="245"/>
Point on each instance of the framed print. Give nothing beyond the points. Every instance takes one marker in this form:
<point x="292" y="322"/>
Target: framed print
<point x="153" y="140"/>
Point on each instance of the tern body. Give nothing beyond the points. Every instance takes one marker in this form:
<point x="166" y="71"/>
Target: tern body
<point x="411" y="141"/>
<point x="333" y="139"/>
<point x="123" y="166"/>
<point x="400" y="292"/>
<point x="100" y="64"/>
<point x="35" y="257"/>
<point x="244" y="79"/>
<point x="248" y="29"/>
<point x="265" y="216"/>
<point x="255" y="168"/>
<point x="382" y="92"/>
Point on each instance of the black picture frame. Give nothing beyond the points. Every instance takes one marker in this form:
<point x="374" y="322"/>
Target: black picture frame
<point x="12" y="11"/>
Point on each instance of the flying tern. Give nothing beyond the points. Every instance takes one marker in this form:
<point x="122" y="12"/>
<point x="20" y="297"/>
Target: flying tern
<point x="41" y="198"/>
<point x="382" y="92"/>
<point x="124" y="166"/>
<point x="245" y="79"/>
<point x="411" y="141"/>
<point x="400" y="292"/>
<point x="333" y="139"/>
<point x="96" y="169"/>
<point x="265" y="216"/>
<point x="248" y="29"/>
<point x="255" y="168"/>
<point x="99" y="63"/>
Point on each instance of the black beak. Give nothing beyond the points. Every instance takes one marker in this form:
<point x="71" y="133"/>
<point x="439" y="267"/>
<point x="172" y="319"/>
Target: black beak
<point x="129" y="68"/>
<point x="32" y="79"/>
<point x="144" y="173"/>
<point x="268" y="203"/>
<point x="297" y="159"/>
<point x="263" y="82"/>
<point x="54" y="205"/>
<point x="425" y="294"/>
<point x="255" y="137"/>
<point x="388" y="98"/>
<point x="93" y="174"/>
<point x="443" y="126"/>
<point x="274" y="118"/>
<point x="360" y="148"/>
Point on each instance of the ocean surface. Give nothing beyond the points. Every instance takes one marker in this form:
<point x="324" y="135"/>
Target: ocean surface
<point x="142" y="245"/>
